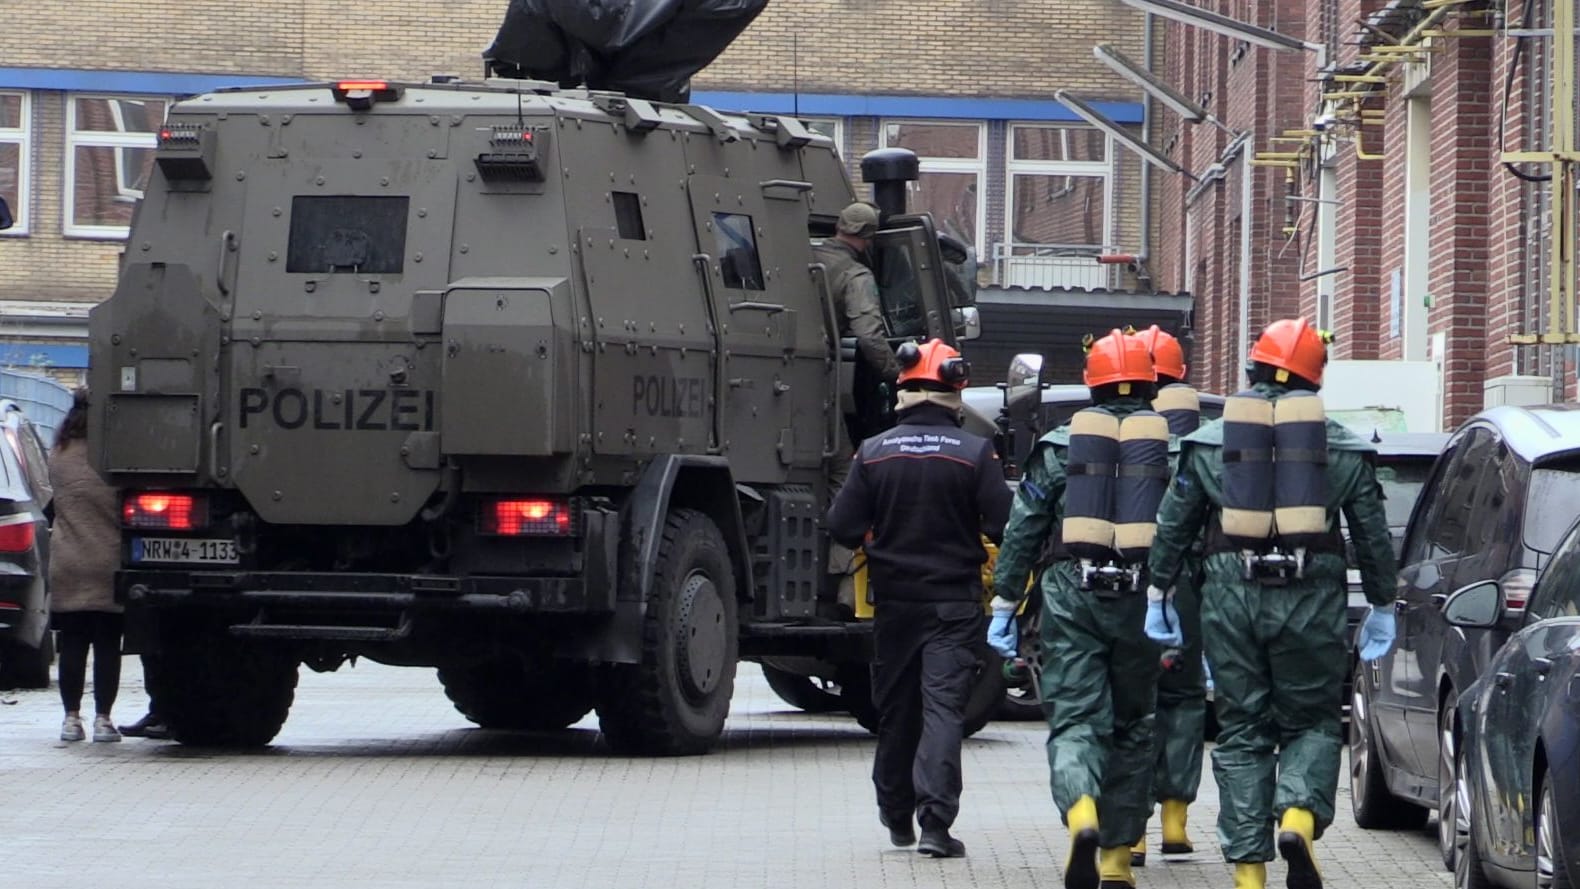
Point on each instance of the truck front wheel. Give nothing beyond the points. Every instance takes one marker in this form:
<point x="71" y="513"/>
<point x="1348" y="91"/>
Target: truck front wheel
<point x="507" y="694"/>
<point x="674" y="702"/>
<point x="216" y="691"/>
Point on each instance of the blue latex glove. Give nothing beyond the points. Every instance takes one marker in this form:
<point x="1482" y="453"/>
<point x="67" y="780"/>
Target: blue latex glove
<point x="1003" y="635"/>
<point x="1377" y="634"/>
<point x="1163" y="622"/>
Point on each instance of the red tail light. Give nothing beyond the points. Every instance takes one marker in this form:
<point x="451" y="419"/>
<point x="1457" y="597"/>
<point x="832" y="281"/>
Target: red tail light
<point x="17" y="537"/>
<point x="1516" y="586"/>
<point x="163" y="511"/>
<point x="349" y="85"/>
<point x="527" y="518"/>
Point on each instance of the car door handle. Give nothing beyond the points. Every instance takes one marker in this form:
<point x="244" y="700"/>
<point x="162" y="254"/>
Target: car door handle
<point x="1503" y="680"/>
<point x="1439" y="600"/>
<point x="1541" y="666"/>
<point x="1401" y="604"/>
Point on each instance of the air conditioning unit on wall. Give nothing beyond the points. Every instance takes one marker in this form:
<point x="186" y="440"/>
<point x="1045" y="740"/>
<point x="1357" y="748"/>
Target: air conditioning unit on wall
<point x="1517" y="390"/>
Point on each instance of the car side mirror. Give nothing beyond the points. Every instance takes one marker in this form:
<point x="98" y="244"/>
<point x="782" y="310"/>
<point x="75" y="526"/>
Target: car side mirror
<point x="968" y="323"/>
<point x="1478" y="606"/>
<point x="6" y="219"/>
<point x="1024" y="378"/>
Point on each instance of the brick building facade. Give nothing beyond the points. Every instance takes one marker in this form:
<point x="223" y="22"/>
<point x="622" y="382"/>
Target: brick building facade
<point x="1378" y="206"/>
<point x="968" y="84"/>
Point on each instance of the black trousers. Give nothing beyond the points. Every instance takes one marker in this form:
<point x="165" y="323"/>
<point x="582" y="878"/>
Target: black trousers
<point x="924" y="663"/>
<point x="77" y="632"/>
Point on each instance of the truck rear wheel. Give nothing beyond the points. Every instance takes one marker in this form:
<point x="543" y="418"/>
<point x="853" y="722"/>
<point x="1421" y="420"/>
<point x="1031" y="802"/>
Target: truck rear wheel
<point x="23" y="666"/>
<point x="507" y="694"/>
<point x="216" y="691"/>
<point x="674" y="702"/>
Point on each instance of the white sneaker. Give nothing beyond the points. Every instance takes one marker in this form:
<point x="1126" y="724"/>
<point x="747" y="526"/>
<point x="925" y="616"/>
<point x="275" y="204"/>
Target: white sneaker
<point x="103" y="729"/>
<point x="71" y="729"/>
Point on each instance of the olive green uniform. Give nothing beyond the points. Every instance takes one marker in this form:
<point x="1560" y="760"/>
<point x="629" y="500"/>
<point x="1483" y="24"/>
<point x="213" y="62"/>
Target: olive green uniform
<point x="856" y="305"/>
<point x="1100" y="677"/>
<point x="1181" y="718"/>
<point x="1278" y="653"/>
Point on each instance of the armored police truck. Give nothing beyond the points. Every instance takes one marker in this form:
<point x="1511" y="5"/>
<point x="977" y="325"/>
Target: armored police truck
<point x="536" y="386"/>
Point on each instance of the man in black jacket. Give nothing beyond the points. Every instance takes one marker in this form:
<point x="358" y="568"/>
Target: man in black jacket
<point x="927" y="492"/>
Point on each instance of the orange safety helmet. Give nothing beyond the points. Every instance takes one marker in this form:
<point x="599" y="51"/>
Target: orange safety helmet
<point x="934" y="361"/>
<point x="1293" y="345"/>
<point x="1118" y="358"/>
<point x="1168" y="357"/>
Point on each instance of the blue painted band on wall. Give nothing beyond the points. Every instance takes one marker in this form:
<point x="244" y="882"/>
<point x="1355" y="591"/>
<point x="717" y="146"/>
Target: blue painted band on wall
<point x="832" y="105"/>
<point x="174" y="83"/>
<point x="41" y="355"/>
<point x="165" y="83"/>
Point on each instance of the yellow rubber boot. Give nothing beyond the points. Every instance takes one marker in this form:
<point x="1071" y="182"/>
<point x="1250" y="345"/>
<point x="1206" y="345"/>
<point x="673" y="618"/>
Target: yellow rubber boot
<point x="1249" y="875"/>
<point x="1295" y="835"/>
<point x="1138" y="853"/>
<point x="1175" y="841"/>
<point x="1080" y="871"/>
<point x="1113" y="865"/>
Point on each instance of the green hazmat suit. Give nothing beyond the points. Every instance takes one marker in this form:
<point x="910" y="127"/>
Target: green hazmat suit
<point x="1278" y="653"/>
<point x="1099" y="681"/>
<point x="1180" y="723"/>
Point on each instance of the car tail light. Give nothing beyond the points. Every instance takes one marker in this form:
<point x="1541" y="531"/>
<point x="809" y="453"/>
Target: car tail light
<point x="527" y="517"/>
<point x="17" y="534"/>
<point x="1516" y="586"/>
<point x="164" y="511"/>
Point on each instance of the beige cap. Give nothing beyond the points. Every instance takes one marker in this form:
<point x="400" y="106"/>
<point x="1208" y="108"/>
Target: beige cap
<point x="859" y="219"/>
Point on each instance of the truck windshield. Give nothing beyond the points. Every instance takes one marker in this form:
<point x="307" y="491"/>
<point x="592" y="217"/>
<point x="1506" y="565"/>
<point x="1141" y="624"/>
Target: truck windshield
<point x="344" y="233"/>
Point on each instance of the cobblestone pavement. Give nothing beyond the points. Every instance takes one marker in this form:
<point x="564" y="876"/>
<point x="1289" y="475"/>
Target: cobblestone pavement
<point x="377" y="782"/>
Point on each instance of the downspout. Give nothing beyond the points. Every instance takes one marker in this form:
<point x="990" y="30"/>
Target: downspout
<point x="1144" y="254"/>
<point x="1245" y="256"/>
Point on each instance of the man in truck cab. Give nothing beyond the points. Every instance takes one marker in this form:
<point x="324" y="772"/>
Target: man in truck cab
<point x="925" y="493"/>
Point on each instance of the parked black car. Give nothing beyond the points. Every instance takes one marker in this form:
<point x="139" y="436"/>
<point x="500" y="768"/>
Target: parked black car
<point x="1499" y="499"/>
<point x="1404" y="461"/>
<point x="1518" y="790"/>
<point x="26" y="645"/>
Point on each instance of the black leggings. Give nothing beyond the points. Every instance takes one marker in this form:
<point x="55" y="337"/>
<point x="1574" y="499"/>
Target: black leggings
<point x="77" y="631"/>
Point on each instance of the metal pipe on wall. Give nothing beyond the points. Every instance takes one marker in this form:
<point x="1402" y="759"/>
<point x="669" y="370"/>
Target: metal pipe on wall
<point x="1244" y="346"/>
<point x="1144" y="254"/>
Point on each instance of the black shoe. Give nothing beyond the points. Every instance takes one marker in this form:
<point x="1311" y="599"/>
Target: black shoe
<point x="939" y="844"/>
<point x="1082" y="872"/>
<point x="1303" y="873"/>
<point x="901" y="831"/>
<point x="157" y="731"/>
<point x="139" y="729"/>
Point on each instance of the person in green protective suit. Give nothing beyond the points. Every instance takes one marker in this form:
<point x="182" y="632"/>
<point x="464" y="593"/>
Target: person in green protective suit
<point x="1180" y="721"/>
<point x="1100" y="681"/>
<point x="1276" y="645"/>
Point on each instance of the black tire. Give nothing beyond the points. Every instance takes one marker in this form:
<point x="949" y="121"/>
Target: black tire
<point x="674" y="702"/>
<point x="1449" y="802"/>
<point x="1552" y="869"/>
<point x="807" y="693"/>
<point x="1468" y="872"/>
<point x="507" y="694"/>
<point x="987" y="693"/>
<point x="217" y="691"/>
<point x="1023" y="702"/>
<point x="23" y="666"/>
<point x="1375" y="808"/>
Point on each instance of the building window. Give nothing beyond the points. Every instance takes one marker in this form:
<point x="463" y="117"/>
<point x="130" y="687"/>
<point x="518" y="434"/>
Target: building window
<point x="1058" y="207"/>
<point x="15" y="115"/>
<point x="110" y="143"/>
<point x="832" y="127"/>
<point x="953" y="157"/>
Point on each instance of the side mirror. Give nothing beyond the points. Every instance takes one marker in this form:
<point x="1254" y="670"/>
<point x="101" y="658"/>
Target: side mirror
<point x="968" y="323"/>
<point x="1478" y="606"/>
<point x="1025" y="376"/>
<point x="6" y="219"/>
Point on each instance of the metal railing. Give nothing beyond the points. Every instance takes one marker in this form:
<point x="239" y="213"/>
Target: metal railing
<point x="1052" y="266"/>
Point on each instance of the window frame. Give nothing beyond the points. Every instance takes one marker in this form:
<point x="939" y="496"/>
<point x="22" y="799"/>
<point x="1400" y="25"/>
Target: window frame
<point x="1103" y="169"/>
<point x="22" y="136"/>
<point x="977" y="166"/>
<point x="839" y="129"/>
<point x="76" y="139"/>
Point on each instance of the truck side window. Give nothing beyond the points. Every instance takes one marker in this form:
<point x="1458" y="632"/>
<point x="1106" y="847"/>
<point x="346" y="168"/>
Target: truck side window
<point x="737" y="246"/>
<point x="899" y="290"/>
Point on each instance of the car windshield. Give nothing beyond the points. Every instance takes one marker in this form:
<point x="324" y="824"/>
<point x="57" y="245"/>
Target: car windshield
<point x="1401" y="485"/>
<point x="1552" y="504"/>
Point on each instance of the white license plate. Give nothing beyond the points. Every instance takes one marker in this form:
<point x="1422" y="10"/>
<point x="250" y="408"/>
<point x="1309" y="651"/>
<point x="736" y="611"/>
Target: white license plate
<point x="184" y="549"/>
